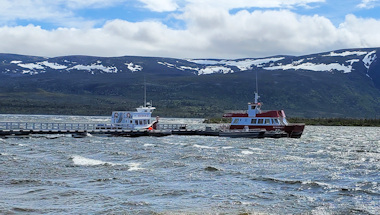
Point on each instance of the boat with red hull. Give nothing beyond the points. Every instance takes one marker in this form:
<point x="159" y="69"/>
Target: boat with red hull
<point x="273" y="121"/>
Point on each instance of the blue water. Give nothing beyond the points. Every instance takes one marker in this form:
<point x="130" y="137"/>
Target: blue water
<point x="329" y="170"/>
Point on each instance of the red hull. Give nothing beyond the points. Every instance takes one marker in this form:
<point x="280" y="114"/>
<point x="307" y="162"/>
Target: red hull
<point x="293" y="130"/>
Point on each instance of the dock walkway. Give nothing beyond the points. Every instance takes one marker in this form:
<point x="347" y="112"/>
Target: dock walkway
<point x="77" y="129"/>
<point x="21" y="129"/>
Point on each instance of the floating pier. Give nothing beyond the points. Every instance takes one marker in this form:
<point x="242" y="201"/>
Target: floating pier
<point x="78" y="130"/>
<point x="75" y="129"/>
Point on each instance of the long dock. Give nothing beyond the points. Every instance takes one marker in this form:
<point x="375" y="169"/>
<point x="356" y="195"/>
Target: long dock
<point x="75" y="129"/>
<point x="21" y="129"/>
<point x="24" y="129"/>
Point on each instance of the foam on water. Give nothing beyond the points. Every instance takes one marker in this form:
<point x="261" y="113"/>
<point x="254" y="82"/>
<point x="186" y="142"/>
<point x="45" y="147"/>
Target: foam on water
<point x="203" y="147"/>
<point x="247" y="152"/>
<point x="82" y="161"/>
<point x="134" y="167"/>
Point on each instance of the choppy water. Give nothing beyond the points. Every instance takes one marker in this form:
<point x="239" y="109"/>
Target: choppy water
<point x="330" y="170"/>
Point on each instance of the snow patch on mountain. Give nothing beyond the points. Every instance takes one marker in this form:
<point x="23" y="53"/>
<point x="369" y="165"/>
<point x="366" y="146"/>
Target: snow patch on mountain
<point x="30" y="72"/>
<point x="31" y="66"/>
<point x="345" y="53"/>
<point x="352" y="61"/>
<point x="243" y="65"/>
<point x="204" y="62"/>
<point x="313" y="67"/>
<point x="166" y="64"/>
<point x="53" y="65"/>
<point x="188" y="68"/>
<point x="91" y="67"/>
<point x="134" y="67"/>
<point x="38" y="66"/>
<point x="215" y="69"/>
<point x="369" y="59"/>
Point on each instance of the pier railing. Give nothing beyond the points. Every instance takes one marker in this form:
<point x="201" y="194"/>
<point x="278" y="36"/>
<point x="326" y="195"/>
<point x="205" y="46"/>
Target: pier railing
<point x="59" y="126"/>
<point x="78" y="126"/>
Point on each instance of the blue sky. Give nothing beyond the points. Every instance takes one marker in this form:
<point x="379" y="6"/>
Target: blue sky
<point x="187" y="28"/>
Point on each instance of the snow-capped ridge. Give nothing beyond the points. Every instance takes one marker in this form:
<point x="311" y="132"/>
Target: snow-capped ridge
<point x="344" y="61"/>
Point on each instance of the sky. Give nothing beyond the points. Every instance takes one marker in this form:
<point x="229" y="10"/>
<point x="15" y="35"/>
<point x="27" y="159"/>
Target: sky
<point x="227" y="29"/>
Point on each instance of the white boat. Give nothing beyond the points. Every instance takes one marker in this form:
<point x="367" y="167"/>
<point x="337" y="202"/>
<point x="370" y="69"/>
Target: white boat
<point x="140" y="119"/>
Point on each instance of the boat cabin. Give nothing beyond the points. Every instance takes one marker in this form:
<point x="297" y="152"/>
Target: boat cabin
<point x="254" y="116"/>
<point x="141" y="119"/>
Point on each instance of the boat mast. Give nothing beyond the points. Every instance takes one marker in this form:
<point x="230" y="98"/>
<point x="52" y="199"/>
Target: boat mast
<point x="257" y="91"/>
<point x="144" y="92"/>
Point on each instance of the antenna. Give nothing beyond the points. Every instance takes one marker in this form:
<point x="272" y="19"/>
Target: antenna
<point x="257" y="85"/>
<point x="144" y="92"/>
<point x="257" y="91"/>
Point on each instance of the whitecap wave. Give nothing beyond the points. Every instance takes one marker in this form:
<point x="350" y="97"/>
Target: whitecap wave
<point x="134" y="167"/>
<point x="203" y="147"/>
<point x="82" y="161"/>
<point x="246" y="152"/>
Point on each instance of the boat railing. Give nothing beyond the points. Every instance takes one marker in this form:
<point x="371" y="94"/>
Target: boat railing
<point x="242" y="130"/>
<point x="235" y="111"/>
<point x="171" y="126"/>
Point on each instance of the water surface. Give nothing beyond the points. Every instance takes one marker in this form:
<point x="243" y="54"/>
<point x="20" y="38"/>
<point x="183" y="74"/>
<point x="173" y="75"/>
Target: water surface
<point x="329" y="170"/>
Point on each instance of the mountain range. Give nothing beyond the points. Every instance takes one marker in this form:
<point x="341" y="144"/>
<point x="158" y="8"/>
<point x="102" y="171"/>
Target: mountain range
<point x="340" y="83"/>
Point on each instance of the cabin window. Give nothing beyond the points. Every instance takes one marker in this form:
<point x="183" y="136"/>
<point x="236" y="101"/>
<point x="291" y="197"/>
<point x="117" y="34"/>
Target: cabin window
<point x="253" y="121"/>
<point x="144" y="121"/>
<point x="275" y="121"/>
<point x="236" y="121"/>
<point x="260" y="121"/>
<point x="130" y="121"/>
<point x="148" y="121"/>
<point x="267" y="121"/>
<point x="253" y="107"/>
<point x="140" y="122"/>
<point x="136" y="122"/>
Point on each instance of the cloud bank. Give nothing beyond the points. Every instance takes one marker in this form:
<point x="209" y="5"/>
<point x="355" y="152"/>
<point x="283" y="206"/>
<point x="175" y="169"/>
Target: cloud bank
<point x="210" y="30"/>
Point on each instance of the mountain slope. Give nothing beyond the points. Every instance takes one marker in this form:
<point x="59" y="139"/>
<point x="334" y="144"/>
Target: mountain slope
<point x="343" y="83"/>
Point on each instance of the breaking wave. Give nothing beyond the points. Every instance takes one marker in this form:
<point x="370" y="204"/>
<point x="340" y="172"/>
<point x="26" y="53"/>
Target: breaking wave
<point x="82" y="161"/>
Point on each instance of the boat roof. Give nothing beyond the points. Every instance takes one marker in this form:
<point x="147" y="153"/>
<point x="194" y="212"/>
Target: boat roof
<point x="271" y="113"/>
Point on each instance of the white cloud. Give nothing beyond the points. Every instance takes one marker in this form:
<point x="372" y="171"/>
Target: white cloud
<point x="228" y="4"/>
<point x="367" y="4"/>
<point x="59" y="12"/>
<point x="24" y="9"/>
<point x="87" y="3"/>
<point x="160" y="6"/>
<point x="209" y="32"/>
